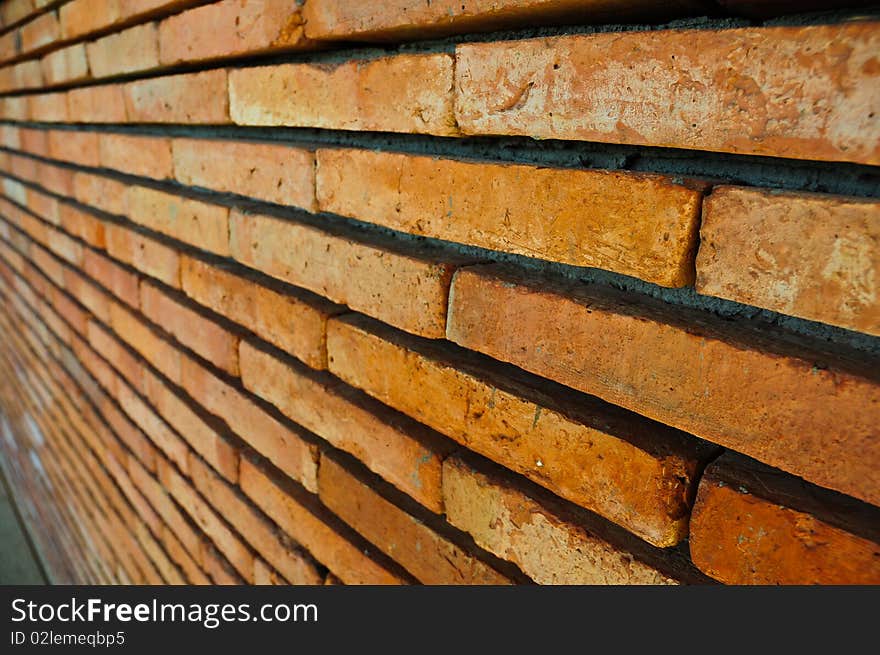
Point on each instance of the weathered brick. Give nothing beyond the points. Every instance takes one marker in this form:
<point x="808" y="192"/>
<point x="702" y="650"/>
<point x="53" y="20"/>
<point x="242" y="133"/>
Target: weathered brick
<point x="274" y="173"/>
<point x="143" y="253"/>
<point x="146" y="156"/>
<point x="548" y="547"/>
<point x="404" y="93"/>
<point x="194" y="330"/>
<point x="168" y="441"/>
<point x="807" y="255"/>
<point x="96" y="104"/>
<point x="251" y="523"/>
<point x="14" y="108"/>
<point x="81" y="17"/>
<point x="306" y="522"/>
<point x="81" y="225"/>
<point x="402" y="452"/>
<point x="48" y="107"/>
<point x="146" y="342"/>
<point x="229" y="28"/>
<point x="68" y="64"/>
<point x="808" y="407"/>
<point x="129" y="51"/>
<point x="289" y="450"/>
<point x="635" y="224"/>
<point x="723" y="90"/>
<point x="755" y="525"/>
<point x="207" y="519"/>
<point x="121" y="282"/>
<point x="221" y="571"/>
<point x="266" y="575"/>
<point x="429" y="556"/>
<point x="128" y="366"/>
<point x="177" y="551"/>
<point x="191" y="221"/>
<point x="101" y="192"/>
<point x="40" y="32"/>
<point x="74" y="147"/>
<point x="187" y="98"/>
<point x="294" y="321"/>
<point x="408" y="291"/>
<point x="90" y="296"/>
<point x="642" y="474"/>
<point x="406" y="19"/>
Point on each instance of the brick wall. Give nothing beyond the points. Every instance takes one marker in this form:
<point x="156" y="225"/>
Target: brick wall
<point x="443" y="292"/>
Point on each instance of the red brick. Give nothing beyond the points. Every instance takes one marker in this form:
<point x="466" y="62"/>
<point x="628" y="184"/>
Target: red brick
<point x="187" y="98"/>
<point x="642" y="475"/>
<point x="146" y="156"/>
<point x="196" y="223"/>
<point x="101" y="192"/>
<point x="408" y="291"/>
<point x="546" y="545"/>
<point x="802" y="254"/>
<point x="287" y="449"/>
<point x="808" y="407"/>
<point x="295" y="322"/>
<point x="429" y="556"/>
<point x="121" y="282"/>
<point x="75" y="147"/>
<point x="639" y="225"/>
<point x="68" y="64"/>
<point x="251" y="523"/>
<point x="756" y="525"/>
<point x="129" y="51"/>
<point x="96" y="104"/>
<point x="143" y="253"/>
<point x="48" y="108"/>
<point x="721" y="90"/>
<point x="191" y="328"/>
<point x="403" y="453"/>
<point x="275" y="173"/>
<point x="207" y="519"/>
<point x="304" y="520"/>
<point x="229" y="28"/>
<point x="403" y="93"/>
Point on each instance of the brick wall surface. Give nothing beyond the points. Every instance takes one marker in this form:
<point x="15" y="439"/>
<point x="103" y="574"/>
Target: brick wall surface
<point x="471" y="292"/>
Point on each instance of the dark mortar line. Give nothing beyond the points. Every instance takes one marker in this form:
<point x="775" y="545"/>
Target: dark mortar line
<point x="842" y="178"/>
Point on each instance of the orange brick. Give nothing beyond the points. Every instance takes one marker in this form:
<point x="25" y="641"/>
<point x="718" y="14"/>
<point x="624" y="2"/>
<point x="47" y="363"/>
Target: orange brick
<point x="48" y="108"/>
<point x="10" y="136"/>
<point x="101" y="192"/>
<point x="196" y="223"/>
<point x="149" y="345"/>
<point x="35" y="142"/>
<point x="619" y="88"/>
<point x="207" y="519"/>
<point x="291" y="451"/>
<point x="266" y="575"/>
<point x="96" y="104"/>
<point x="14" y="11"/>
<point x="146" y="156"/>
<point x="129" y="51"/>
<point x="81" y="225"/>
<point x="121" y="282"/>
<point x="642" y="475"/>
<point x="756" y="525"/>
<point x="168" y="441"/>
<point x="807" y="255"/>
<point x="55" y="179"/>
<point x="294" y="321"/>
<point x="405" y="19"/>
<point x="14" y="108"/>
<point x="81" y="17"/>
<point x="74" y="147"/>
<point x="187" y="98"/>
<point x="400" y="451"/>
<point x="24" y="75"/>
<point x="40" y="32"/>
<point x="66" y="65"/>
<point x="221" y="571"/>
<point x="182" y="558"/>
<point x="143" y="253"/>
<point x="547" y="545"/>
<point x="193" y="329"/>
<point x="639" y="225"/>
<point x="408" y="291"/>
<point x="229" y="28"/>
<point x="251" y="523"/>
<point x="168" y="569"/>
<point x="274" y="173"/>
<point x="75" y="316"/>
<point x="65" y="247"/>
<point x="808" y="408"/>
<point x="203" y="435"/>
<point x="312" y="526"/>
<point x="404" y="93"/>
<point x="429" y="556"/>
<point x="114" y="352"/>
<point x="89" y="295"/>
